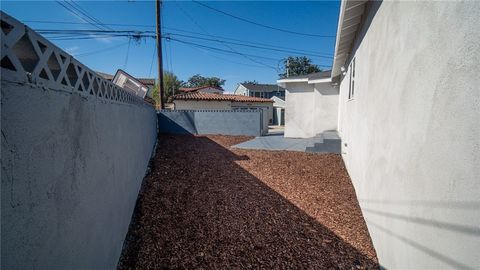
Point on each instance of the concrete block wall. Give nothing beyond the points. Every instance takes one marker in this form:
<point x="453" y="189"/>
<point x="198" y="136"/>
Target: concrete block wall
<point x="203" y="122"/>
<point x="73" y="158"/>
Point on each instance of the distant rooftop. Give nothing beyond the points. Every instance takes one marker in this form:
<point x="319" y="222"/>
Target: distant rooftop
<point x="218" y="97"/>
<point x="194" y="89"/>
<point x="262" y="87"/>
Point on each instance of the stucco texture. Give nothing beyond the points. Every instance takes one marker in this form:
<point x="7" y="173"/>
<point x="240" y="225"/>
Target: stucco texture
<point x="411" y="133"/>
<point x="310" y="109"/>
<point x="72" y="167"/>
<point x="205" y="122"/>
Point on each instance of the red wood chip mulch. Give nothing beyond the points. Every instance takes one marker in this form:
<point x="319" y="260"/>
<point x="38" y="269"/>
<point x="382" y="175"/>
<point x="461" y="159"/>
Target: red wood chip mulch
<point x="206" y="205"/>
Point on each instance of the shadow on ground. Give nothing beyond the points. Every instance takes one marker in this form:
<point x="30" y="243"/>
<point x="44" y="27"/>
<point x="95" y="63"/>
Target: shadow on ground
<point x="204" y="206"/>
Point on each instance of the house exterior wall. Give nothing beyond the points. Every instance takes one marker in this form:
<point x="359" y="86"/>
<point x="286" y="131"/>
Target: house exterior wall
<point x="299" y="110"/>
<point x="241" y="90"/>
<point x="325" y="114"/>
<point x="310" y="109"/>
<point x="411" y="133"/>
<point x="202" y="105"/>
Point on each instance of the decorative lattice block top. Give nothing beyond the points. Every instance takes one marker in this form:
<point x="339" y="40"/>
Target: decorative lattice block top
<point x="27" y="57"/>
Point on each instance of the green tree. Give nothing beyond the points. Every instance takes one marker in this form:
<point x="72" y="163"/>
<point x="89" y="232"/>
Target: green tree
<point x="251" y="82"/>
<point x="197" y="81"/>
<point x="171" y="84"/>
<point x="298" y="65"/>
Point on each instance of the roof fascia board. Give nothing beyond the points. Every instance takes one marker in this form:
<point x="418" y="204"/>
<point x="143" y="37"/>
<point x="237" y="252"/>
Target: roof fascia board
<point x="292" y="80"/>
<point x="349" y="20"/>
<point x="324" y="80"/>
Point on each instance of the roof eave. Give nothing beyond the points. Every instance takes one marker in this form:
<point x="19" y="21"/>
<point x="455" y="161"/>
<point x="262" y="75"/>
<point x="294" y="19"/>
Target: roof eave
<point x="324" y="80"/>
<point x="348" y="26"/>
<point x="292" y="80"/>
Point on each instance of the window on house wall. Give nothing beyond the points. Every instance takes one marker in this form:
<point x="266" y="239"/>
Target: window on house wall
<point x="251" y="94"/>
<point x="257" y="94"/>
<point x="351" y="89"/>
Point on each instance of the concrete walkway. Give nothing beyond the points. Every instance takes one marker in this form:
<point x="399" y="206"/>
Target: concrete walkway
<point x="327" y="142"/>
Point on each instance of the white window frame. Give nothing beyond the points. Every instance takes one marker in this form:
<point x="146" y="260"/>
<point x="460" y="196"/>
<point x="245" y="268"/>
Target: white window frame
<point x="351" y="87"/>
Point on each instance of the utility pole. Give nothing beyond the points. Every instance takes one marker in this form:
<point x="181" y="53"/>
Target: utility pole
<point x="158" y="4"/>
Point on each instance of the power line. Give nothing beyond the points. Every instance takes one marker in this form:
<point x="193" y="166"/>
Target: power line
<point x="88" y="34"/>
<point x="76" y="13"/>
<point x="250" y="42"/>
<point x="190" y="32"/>
<point x="223" y="50"/>
<point x="223" y="43"/>
<point x="126" y="56"/>
<point x="227" y="52"/>
<point x="260" y="24"/>
<point x="112" y="34"/>
<point x="83" y="23"/>
<point x="153" y="58"/>
<point x="228" y="60"/>
<point x="252" y="46"/>
<point x="83" y="11"/>
<point x="101" y="50"/>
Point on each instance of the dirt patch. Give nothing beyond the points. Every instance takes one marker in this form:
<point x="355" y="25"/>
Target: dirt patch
<point x="206" y="205"/>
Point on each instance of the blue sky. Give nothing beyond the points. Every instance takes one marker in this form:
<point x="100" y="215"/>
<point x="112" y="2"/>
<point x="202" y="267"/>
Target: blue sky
<point x="185" y="60"/>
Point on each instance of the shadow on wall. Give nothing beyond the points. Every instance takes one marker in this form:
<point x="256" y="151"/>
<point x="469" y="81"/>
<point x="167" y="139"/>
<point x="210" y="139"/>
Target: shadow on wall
<point x="179" y="125"/>
<point x="201" y="209"/>
<point x="472" y="231"/>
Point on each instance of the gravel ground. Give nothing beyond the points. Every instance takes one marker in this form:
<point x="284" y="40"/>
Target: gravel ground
<point x="205" y="205"/>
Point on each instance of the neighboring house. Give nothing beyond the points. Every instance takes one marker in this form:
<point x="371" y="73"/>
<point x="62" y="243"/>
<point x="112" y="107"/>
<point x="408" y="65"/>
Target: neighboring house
<point x="210" y="101"/>
<point x="409" y="119"/>
<point x="311" y="105"/>
<point x="260" y="90"/>
<point x="202" y="89"/>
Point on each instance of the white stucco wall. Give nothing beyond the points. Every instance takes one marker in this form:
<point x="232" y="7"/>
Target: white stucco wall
<point x="241" y="90"/>
<point x="202" y="105"/>
<point x="412" y="133"/>
<point x="310" y="109"/>
<point x="325" y="111"/>
<point x="299" y="109"/>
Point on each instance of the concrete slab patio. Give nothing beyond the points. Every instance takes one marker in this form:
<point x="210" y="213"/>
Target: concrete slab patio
<point x="327" y="142"/>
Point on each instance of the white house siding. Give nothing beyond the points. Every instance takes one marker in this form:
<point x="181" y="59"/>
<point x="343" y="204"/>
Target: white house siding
<point x="241" y="90"/>
<point x="299" y="110"/>
<point x="202" y="105"/>
<point x="411" y="134"/>
<point x="325" y="114"/>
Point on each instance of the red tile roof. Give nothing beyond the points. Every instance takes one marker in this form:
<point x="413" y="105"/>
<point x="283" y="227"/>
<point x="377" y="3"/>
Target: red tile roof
<point x="193" y="89"/>
<point x="218" y="97"/>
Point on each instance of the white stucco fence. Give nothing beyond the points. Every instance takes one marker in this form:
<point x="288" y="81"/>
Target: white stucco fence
<point x="74" y="152"/>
